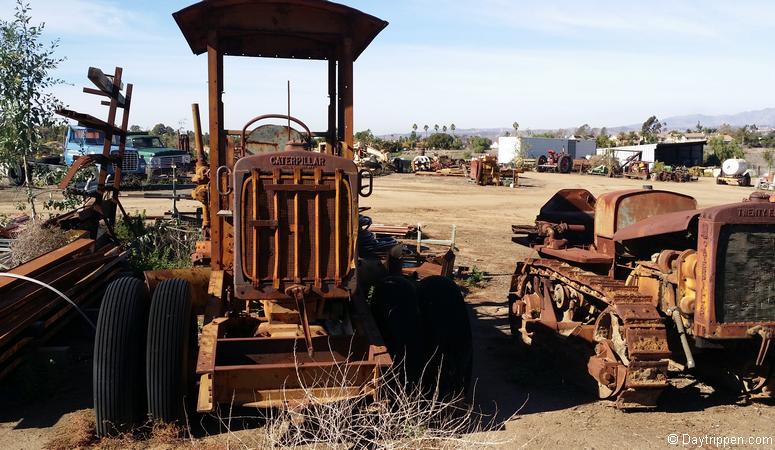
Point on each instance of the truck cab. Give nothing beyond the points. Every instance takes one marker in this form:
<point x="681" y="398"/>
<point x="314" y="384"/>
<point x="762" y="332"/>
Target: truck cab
<point x="159" y="159"/>
<point x="81" y="141"/>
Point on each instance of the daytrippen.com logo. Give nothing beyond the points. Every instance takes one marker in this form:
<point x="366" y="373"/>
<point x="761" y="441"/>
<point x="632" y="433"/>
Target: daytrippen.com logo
<point x="717" y="441"/>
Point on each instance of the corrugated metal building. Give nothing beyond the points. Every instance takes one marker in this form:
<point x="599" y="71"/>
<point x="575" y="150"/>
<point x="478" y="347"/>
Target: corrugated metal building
<point x="689" y="153"/>
<point x="535" y="147"/>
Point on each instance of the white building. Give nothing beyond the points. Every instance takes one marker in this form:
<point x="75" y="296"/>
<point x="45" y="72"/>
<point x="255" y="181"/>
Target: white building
<point x="509" y="146"/>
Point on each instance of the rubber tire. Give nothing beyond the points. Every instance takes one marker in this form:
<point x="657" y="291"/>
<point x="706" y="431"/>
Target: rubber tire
<point x="745" y="181"/>
<point x="119" y="357"/>
<point x="565" y="164"/>
<point x="15" y="174"/>
<point x="171" y="351"/>
<point x="395" y="308"/>
<point x="448" y="336"/>
<point x="541" y="161"/>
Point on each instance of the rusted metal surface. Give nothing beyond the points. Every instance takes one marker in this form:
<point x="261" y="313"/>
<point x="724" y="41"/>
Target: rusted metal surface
<point x="692" y="286"/>
<point x="485" y="170"/>
<point x="300" y="29"/>
<point x="283" y="222"/>
<point x="29" y="312"/>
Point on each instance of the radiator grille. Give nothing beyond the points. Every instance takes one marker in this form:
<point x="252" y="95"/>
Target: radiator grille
<point x="166" y="162"/>
<point x="745" y="279"/>
<point x="130" y="161"/>
<point x="290" y="228"/>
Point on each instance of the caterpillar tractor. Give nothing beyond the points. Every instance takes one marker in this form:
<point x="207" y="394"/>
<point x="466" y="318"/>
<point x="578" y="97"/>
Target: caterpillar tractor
<point x="291" y="299"/>
<point x="632" y="283"/>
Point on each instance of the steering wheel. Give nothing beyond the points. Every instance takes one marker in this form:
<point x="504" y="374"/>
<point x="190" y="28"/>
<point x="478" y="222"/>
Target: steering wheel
<point x="243" y="135"/>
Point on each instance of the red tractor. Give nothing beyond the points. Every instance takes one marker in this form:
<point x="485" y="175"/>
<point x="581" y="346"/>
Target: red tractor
<point x="555" y="162"/>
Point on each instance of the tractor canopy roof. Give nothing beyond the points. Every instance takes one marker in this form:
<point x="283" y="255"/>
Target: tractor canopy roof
<point x="301" y="29"/>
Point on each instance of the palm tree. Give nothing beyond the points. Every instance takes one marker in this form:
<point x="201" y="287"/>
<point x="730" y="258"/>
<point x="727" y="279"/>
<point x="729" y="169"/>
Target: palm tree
<point x="444" y="128"/>
<point x="414" y="127"/>
<point x="436" y="127"/>
<point x="426" y="130"/>
<point x="515" y="125"/>
<point x="452" y="127"/>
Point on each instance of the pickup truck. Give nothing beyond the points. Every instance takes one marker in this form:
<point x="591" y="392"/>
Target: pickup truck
<point x="158" y="158"/>
<point x="81" y="141"/>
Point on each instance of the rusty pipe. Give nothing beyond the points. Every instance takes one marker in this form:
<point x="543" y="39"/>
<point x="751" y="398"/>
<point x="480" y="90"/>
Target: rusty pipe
<point x="675" y="313"/>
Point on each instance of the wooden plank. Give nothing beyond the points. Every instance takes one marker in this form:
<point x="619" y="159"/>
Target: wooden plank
<point x="105" y="85"/>
<point x="90" y="121"/>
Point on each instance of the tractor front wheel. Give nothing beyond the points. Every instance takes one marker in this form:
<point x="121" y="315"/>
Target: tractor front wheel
<point x="119" y="350"/>
<point x="171" y="351"/>
<point x="448" y="335"/>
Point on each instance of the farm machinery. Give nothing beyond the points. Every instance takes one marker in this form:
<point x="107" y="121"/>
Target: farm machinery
<point x="555" y="162"/>
<point x="275" y="313"/>
<point x="633" y="282"/>
<point x="734" y="172"/>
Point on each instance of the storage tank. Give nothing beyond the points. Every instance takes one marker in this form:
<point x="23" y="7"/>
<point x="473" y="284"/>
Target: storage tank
<point x="734" y="167"/>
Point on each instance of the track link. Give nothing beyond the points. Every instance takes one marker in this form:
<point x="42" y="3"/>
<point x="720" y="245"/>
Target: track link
<point x="631" y="350"/>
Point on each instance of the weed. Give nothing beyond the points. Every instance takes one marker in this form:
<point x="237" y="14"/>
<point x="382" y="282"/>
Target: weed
<point x="476" y="278"/>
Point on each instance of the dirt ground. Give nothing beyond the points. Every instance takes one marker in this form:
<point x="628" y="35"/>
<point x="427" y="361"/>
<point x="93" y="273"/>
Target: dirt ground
<point x="542" y="409"/>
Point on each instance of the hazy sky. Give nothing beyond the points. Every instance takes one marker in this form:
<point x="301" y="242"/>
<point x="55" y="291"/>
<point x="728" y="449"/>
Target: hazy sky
<point x="484" y="63"/>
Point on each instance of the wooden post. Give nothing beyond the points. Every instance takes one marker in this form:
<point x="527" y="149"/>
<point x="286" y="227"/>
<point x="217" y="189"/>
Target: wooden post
<point x="217" y="146"/>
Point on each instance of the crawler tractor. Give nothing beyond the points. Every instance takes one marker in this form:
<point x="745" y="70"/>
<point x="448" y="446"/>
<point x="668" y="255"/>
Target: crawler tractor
<point x="633" y="282"/>
<point x="292" y="299"/>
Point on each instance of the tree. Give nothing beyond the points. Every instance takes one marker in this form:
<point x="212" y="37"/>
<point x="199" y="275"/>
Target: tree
<point x="698" y="127"/>
<point x="436" y="128"/>
<point x="26" y="104"/>
<point x="722" y="150"/>
<point x="769" y="158"/>
<point x="135" y="128"/>
<point x="441" y="141"/>
<point x="365" y="137"/>
<point x="452" y="128"/>
<point x="414" y="127"/>
<point x="444" y="128"/>
<point x="426" y="131"/>
<point x="479" y="144"/>
<point x="515" y="125"/>
<point x="603" y="140"/>
<point x="583" y="131"/>
<point x="650" y="130"/>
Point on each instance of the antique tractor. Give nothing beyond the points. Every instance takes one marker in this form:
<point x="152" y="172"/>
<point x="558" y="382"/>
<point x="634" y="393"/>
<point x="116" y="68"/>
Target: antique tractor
<point x="555" y="162"/>
<point x="275" y="313"/>
<point x="628" y="282"/>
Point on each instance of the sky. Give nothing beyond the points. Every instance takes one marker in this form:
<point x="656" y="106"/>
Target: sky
<point x="477" y="64"/>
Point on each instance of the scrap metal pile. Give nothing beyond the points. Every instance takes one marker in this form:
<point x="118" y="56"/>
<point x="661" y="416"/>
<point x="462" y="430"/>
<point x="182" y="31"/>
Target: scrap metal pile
<point x="32" y="307"/>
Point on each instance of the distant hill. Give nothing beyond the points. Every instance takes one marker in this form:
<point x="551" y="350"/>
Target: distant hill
<point x="761" y="117"/>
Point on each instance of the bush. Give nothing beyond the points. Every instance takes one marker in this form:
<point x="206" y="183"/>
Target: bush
<point x="161" y="245"/>
<point x="35" y="240"/>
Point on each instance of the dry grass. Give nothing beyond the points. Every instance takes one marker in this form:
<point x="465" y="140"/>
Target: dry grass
<point x="75" y="430"/>
<point x="403" y="418"/>
<point x="35" y="241"/>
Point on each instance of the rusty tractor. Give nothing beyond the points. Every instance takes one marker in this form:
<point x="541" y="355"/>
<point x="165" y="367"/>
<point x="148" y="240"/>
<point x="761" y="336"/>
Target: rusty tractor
<point x="553" y="161"/>
<point x="275" y="312"/>
<point x="635" y="281"/>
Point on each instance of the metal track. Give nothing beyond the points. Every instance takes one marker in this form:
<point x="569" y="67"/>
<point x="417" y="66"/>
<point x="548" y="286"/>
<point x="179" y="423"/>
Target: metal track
<point x="630" y="366"/>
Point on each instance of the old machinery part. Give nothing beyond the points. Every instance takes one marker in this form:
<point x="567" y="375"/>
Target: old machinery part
<point x="622" y="327"/>
<point x="675" y="314"/>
